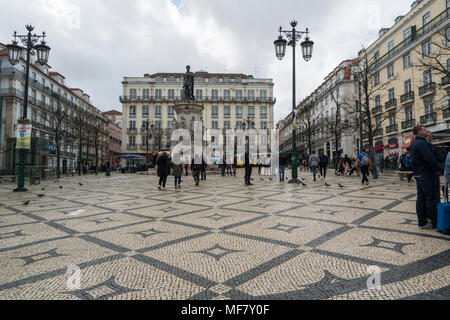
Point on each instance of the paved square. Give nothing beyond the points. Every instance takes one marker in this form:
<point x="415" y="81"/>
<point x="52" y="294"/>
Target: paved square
<point x="124" y="239"/>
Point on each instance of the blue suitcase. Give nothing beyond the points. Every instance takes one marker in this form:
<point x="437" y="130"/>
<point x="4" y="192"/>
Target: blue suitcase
<point x="443" y="223"/>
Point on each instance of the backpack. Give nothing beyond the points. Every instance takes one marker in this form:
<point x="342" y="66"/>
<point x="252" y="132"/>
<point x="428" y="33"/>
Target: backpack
<point x="197" y="167"/>
<point x="365" y="161"/>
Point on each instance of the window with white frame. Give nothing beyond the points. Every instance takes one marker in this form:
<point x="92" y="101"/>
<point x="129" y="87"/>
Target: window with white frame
<point x="391" y="94"/>
<point x="239" y="95"/>
<point x="406" y="61"/>
<point x="409" y="113"/>
<point x="426" y="49"/>
<point x="426" y="18"/>
<point x="251" y="95"/>
<point x="226" y="94"/>
<point x="133" y="93"/>
<point x="158" y="111"/>
<point x="239" y="112"/>
<point x="199" y="94"/>
<point x="170" y="112"/>
<point x="132" y="111"/>
<point x="390" y="71"/>
<point x="215" y="124"/>
<point x="215" y="94"/>
<point x="427" y="76"/>
<point x="214" y="111"/>
<point x="226" y="111"/>
<point x="391" y="47"/>
<point x="226" y="125"/>
<point x="171" y="94"/>
<point x="376" y="79"/>
<point x="263" y="95"/>
<point x="428" y="106"/>
<point x="158" y="94"/>
<point x="377" y="101"/>
<point x="145" y="111"/>
<point x="146" y="93"/>
<point x="407" y="86"/>
<point x="263" y="112"/>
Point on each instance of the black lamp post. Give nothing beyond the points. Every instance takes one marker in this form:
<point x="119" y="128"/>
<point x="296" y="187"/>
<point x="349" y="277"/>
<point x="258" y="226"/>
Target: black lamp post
<point x="146" y="126"/>
<point x="42" y="52"/>
<point x="294" y="36"/>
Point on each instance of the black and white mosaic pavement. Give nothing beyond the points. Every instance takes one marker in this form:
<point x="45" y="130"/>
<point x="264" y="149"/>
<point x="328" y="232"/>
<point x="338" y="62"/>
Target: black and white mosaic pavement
<point x="125" y="239"/>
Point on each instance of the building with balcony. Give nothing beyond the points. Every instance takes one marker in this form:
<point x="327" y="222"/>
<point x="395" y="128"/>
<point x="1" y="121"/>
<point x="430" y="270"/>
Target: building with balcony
<point x="229" y="100"/>
<point x="408" y="89"/>
<point x="114" y="116"/>
<point x="47" y="91"/>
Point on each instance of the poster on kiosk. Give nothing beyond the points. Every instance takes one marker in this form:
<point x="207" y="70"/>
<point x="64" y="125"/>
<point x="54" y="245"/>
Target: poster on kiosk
<point x="23" y="136"/>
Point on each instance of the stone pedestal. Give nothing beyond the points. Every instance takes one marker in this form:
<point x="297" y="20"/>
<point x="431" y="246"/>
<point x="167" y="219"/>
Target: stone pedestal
<point x="187" y="114"/>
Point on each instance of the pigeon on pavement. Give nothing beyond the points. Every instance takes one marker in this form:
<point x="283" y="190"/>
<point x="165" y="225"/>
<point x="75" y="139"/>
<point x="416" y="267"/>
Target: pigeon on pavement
<point x="327" y="185"/>
<point x="26" y="203"/>
<point x="41" y="195"/>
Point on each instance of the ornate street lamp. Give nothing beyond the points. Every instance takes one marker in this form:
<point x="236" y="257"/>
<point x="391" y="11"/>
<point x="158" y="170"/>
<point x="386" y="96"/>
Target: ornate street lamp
<point x="293" y="36"/>
<point x="42" y="52"/>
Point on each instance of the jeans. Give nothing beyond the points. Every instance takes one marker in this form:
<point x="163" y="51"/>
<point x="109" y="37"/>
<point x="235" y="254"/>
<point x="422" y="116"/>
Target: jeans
<point x="281" y="173"/>
<point x="177" y="180"/>
<point x="187" y="172"/>
<point x="196" y="176"/>
<point x="426" y="205"/>
<point x="248" y="173"/>
<point x="203" y="175"/>
<point x="162" y="181"/>
<point x="314" y="171"/>
<point x="222" y="169"/>
<point x="323" y="171"/>
<point x="365" y="173"/>
<point x="437" y="188"/>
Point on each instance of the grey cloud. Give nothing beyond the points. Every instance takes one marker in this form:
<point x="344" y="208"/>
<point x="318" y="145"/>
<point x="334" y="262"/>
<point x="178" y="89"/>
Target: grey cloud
<point x="129" y="38"/>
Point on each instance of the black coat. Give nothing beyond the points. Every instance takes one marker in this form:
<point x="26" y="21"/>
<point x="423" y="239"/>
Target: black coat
<point x="163" y="164"/>
<point x="423" y="159"/>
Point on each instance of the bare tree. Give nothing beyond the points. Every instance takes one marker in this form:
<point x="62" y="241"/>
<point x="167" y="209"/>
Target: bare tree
<point x="56" y="120"/>
<point x="307" y="119"/>
<point x="80" y="125"/>
<point x="98" y="129"/>
<point x="435" y="56"/>
<point x="369" y="88"/>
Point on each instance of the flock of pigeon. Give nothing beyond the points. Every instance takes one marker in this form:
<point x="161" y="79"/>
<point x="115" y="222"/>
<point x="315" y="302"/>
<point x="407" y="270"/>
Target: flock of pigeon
<point x="41" y="195"/>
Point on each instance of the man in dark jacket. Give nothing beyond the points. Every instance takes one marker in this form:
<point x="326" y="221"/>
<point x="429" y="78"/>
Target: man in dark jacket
<point x="425" y="167"/>
<point x="323" y="165"/>
<point x="439" y="159"/>
<point x="163" y="170"/>
<point x="248" y="170"/>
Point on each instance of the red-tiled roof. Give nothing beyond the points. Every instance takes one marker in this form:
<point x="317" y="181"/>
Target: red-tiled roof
<point x="205" y="75"/>
<point x="54" y="73"/>
<point x="112" y="113"/>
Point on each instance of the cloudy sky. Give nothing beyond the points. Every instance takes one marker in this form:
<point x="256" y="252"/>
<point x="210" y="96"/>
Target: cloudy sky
<point x="95" y="43"/>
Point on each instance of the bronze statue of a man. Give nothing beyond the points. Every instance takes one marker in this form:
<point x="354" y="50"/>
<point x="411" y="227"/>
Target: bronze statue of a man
<point x="188" y="85"/>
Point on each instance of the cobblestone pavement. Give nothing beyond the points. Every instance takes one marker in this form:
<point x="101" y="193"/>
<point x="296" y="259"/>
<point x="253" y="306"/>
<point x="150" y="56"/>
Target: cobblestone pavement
<point x="125" y="239"/>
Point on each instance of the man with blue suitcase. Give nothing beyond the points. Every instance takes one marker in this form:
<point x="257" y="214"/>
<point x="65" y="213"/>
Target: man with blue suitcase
<point x="444" y="208"/>
<point x="425" y="166"/>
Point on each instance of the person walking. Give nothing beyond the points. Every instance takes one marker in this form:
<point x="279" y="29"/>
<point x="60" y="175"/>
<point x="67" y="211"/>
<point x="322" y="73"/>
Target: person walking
<point x="196" y="169"/>
<point x="248" y="170"/>
<point x="436" y="177"/>
<point x="186" y="166"/>
<point x="163" y="170"/>
<point x="447" y="169"/>
<point x="323" y="165"/>
<point x="260" y="165"/>
<point x="203" y="168"/>
<point x="314" y="162"/>
<point x="281" y="166"/>
<point x="108" y="169"/>
<point x="425" y="167"/>
<point x="364" y="162"/>
<point x="223" y="166"/>
<point x="177" y="172"/>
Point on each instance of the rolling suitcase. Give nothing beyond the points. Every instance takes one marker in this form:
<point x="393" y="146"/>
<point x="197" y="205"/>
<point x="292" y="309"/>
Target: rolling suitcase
<point x="443" y="223"/>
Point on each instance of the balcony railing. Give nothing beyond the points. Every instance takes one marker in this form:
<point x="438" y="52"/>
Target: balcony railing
<point x="132" y="147"/>
<point x="391" y="104"/>
<point x="428" y="118"/>
<point x="446" y="113"/>
<point x="391" y="129"/>
<point x="178" y="99"/>
<point x="407" y="97"/>
<point x="378" y="132"/>
<point x="445" y="82"/>
<point x="132" y="131"/>
<point x="408" y="124"/>
<point x="427" y="89"/>
<point x="378" y="109"/>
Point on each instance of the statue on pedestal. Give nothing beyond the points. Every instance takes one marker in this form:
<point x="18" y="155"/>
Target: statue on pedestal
<point x="188" y="85"/>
